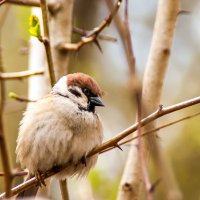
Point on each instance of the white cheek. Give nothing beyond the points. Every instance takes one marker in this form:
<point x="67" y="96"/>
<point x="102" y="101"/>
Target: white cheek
<point x="61" y="85"/>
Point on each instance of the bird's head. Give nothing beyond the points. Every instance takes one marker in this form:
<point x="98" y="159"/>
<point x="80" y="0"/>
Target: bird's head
<point x="81" y="89"/>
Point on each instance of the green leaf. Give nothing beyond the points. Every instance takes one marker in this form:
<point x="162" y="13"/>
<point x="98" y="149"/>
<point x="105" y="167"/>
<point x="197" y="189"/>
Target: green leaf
<point x="34" y="26"/>
<point x="12" y="95"/>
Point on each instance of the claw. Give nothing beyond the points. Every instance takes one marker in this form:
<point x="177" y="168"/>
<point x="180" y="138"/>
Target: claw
<point x="39" y="178"/>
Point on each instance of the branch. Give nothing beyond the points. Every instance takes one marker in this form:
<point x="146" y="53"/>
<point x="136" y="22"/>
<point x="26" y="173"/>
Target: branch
<point x="153" y="81"/>
<point x="131" y="172"/>
<point x="22" y="74"/>
<point x="64" y="189"/>
<point x="100" y="36"/>
<point x="2" y="2"/>
<point x="3" y="147"/>
<point x="110" y="143"/>
<point x="46" y="41"/>
<point x="21" y="99"/>
<point x="92" y="35"/>
<point x="152" y="131"/>
<point x="24" y="173"/>
<point x="52" y="6"/>
<point x="136" y="88"/>
<point x="35" y="3"/>
<point x="153" y="116"/>
<point x="16" y="173"/>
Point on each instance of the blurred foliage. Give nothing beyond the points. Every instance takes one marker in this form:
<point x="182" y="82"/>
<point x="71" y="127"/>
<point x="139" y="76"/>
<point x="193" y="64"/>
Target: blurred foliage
<point x="104" y="187"/>
<point x="14" y="38"/>
<point x="185" y="157"/>
<point x="23" y="14"/>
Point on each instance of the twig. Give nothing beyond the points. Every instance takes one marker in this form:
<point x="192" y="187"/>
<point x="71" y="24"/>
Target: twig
<point x="23" y="173"/>
<point x="3" y="147"/>
<point x="18" y="98"/>
<point x="22" y="74"/>
<point x="15" y="174"/>
<point x="35" y="3"/>
<point x="112" y="142"/>
<point x="2" y="2"/>
<point x="92" y="35"/>
<point x="153" y="131"/>
<point x="136" y="88"/>
<point x="53" y="6"/>
<point x="100" y="36"/>
<point x="135" y="84"/>
<point x="153" y="116"/>
<point x="64" y="190"/>
<point x="46" y="41"/>
<point x="124" y="31"/>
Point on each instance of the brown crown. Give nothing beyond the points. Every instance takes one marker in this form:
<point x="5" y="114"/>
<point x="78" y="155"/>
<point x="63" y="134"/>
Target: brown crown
<point x="84" y="81"/>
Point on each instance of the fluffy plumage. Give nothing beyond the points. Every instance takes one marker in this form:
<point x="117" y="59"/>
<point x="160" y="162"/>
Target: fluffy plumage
<point x="62" y="127"/>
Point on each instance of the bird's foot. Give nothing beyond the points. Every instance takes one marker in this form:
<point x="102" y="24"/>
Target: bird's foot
<point x="39" y="178"/>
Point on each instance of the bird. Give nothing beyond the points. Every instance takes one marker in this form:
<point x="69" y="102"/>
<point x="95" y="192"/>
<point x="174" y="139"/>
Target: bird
<point x="62" y="127"/>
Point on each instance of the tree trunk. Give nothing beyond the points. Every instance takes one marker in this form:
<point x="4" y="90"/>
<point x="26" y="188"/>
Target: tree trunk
<point x="167" y="13"/>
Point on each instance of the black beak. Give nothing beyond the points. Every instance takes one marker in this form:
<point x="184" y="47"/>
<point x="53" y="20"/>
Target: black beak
<point x="96" y="101"/>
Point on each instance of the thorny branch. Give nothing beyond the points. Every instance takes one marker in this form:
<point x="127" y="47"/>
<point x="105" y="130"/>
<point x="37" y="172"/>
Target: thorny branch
<point x="46" y="41"/>
<point x="24" y="173"/>
<point x="136" y="87"/>
<point x="110" y="143"/>
<point x="21" y="74"/>
<point x="100" y="36"/>
<point x="92" y="35"/>
<point x="135" y="84"/>
<point x="125" y="34"/>
<point x="153" y="131"/>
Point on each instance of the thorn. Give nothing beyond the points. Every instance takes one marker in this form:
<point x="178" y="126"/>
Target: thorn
<point x="160" y="107"/>
<point x="118" y="147"/>
<point x="39" y="178"/>
<point x="157" y="136"/>
<point x="98" y="45"/>
<point x="154" y="185"/>
<point x="184" y="12"/>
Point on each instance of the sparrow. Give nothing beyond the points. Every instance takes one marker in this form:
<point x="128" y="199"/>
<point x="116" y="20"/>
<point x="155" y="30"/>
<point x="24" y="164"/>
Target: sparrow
<point x="63" y="127"/>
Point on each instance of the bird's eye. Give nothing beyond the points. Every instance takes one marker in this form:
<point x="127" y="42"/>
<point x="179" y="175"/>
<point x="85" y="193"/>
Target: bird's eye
<point x="86" y="92"/>
<point x="75" y="92"/>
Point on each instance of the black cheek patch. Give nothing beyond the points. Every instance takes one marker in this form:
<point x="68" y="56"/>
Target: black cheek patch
<point x="75" y="92"/>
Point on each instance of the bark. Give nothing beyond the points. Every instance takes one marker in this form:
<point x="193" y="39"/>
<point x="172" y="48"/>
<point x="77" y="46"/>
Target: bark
<point x="60" y="32"/>
<point x="153" y="84"/>
<point x="167" y="13"/>
<point x="131" y="179"/>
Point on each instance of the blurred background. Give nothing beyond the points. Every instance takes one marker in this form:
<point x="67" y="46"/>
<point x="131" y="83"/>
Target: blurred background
<point x="181" y="142"/>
